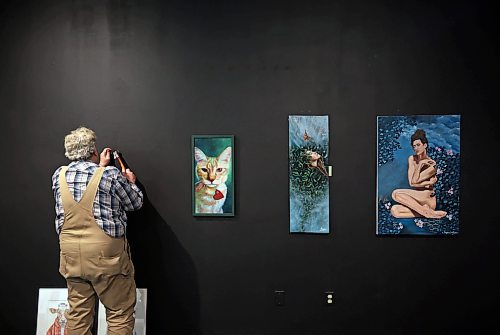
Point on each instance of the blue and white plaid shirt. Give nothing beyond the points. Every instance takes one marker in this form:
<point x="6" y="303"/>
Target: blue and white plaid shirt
<point x="115" y="195"/>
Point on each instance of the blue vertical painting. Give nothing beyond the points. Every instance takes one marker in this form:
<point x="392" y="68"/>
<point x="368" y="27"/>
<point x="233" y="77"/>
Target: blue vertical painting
<point x="308" y="138"/>
<point x="418" y="175"/>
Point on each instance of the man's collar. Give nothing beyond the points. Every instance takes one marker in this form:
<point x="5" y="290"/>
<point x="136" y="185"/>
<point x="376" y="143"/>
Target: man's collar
<point x="82" y="163"/>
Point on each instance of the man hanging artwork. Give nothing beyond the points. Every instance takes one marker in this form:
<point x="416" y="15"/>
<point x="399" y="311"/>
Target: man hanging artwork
<point x="308" y="174"/>
<point x="213" y="186"/>
<point x="418" y="175"/>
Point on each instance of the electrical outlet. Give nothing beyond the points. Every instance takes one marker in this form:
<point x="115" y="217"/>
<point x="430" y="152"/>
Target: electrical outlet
<point x="279" y="298"/>
<point x="329" y="297"/>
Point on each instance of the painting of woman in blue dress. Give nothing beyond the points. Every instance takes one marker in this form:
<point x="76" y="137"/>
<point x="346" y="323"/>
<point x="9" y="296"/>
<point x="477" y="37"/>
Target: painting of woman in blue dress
<point x="418" y="174"/>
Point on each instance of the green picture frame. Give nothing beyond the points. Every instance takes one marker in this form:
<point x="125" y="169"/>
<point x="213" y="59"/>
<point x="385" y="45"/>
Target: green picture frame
<point x="212" y="179"/>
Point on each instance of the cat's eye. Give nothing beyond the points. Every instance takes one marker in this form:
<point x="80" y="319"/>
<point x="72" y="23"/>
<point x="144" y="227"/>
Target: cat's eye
<point x="204" y="169"/>
<point x="220" y="169"/>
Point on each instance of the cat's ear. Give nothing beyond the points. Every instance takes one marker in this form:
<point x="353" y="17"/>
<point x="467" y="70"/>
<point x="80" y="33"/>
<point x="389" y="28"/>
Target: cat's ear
<point x="225" y="156"/>
<point x="199" y="156"/>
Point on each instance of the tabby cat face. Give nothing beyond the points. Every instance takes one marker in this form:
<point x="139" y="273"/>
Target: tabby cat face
<point x="212" y="171"/>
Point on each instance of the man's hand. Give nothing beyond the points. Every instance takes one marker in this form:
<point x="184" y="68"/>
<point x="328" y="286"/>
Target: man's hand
<point x="105" y="157"/>
<point x="129" y="175"/>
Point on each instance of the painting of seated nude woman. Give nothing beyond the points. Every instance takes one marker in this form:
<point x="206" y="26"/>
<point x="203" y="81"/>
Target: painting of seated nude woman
<point x="418" y="175"/>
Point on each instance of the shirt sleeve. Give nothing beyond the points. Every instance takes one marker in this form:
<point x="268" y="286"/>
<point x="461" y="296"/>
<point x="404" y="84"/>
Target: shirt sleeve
<point x="55" y="182"/>
<point x="57" y="197"/>
<point x="131" y="197"/>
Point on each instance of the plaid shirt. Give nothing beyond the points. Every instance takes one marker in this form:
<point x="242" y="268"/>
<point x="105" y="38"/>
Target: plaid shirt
<point x="115" y="195"/>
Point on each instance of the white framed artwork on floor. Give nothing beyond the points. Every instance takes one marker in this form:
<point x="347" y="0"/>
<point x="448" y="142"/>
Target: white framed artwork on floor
<point x="52" y="303"/>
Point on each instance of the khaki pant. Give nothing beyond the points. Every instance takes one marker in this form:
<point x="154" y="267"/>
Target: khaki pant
<point x="95" y="265"/>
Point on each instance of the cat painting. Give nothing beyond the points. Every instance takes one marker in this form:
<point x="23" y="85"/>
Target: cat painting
<point x="210" y="190"/>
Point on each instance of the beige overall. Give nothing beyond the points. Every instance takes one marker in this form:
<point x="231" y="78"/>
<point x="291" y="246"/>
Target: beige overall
<point x="94" y="264"/>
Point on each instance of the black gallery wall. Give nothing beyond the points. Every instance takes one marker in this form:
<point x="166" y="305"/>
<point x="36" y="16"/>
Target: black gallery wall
<point x="146" y="75"/>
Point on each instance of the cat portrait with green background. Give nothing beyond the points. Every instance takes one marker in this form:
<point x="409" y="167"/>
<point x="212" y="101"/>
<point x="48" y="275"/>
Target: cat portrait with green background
<point x="213" y="185"/>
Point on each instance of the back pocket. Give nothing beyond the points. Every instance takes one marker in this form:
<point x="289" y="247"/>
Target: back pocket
<point x="69" y="265"/>
<point x="111" y="266"/>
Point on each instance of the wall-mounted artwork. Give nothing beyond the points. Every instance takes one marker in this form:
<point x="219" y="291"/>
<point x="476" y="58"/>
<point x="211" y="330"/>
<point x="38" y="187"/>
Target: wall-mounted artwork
<point x="52" y="303"/>
<point x="308" y="138"/>
<point x="139" y="312"/>
<point x="213" y="175"/>
<point x="418" y="175"/>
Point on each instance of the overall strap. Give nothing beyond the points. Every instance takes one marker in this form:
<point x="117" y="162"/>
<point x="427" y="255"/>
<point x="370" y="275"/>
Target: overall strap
<point x="87" y="200"/>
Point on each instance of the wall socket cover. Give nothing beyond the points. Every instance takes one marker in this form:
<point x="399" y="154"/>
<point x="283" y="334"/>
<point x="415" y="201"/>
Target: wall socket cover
<point x="329" y="297"/>
<point x="279" y="298"/>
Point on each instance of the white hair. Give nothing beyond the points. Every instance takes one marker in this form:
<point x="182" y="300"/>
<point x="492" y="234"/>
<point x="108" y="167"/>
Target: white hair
<point x="80" y="144"/>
